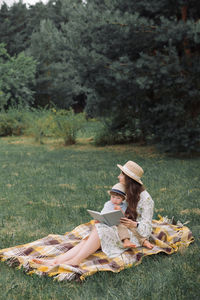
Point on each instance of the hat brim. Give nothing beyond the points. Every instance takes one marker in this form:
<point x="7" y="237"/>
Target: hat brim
<point x="131" y="175"/>
<point x="117" y="192"/>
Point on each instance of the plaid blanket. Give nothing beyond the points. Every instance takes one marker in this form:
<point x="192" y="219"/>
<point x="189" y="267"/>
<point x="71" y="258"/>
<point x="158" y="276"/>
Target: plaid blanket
<point x="166" y="237"/>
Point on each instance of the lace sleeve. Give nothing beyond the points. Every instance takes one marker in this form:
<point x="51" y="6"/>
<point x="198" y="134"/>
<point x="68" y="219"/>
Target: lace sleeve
<point x="146" y="215"/>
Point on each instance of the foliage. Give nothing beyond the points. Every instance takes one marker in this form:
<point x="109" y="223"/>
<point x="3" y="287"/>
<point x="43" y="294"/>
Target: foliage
<point x="118" y="132"/>
<point x="17" y="24"/>
<point x="154" y="80"/>
<point x="55" y="123"/>
<point x="13" y="31"/>
<point x="132" y="60"/>
<point x="13" y="122"/>
<point x="16" y="79"/>
<point x="175" y="99"/>
<point x="56" y="79"/>
<point x="67" y="125"/>
<point x="41" y="123"/>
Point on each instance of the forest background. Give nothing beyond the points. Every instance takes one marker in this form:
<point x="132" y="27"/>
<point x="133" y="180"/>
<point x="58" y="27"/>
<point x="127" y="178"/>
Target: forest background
<point x="134" y="65"/>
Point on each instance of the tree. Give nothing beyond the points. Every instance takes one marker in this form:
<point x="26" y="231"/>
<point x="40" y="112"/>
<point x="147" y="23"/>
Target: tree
<point x="18" y="23"/>
<point x="56" y="79"/>
<point x="134" y="64"/>
<point x="17" y="76"/>
<point x="13" y="27"/>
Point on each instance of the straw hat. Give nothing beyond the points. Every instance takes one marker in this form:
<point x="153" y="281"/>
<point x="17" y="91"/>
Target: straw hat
<point x="119" y="189"/>
<point x="132" y="170"/>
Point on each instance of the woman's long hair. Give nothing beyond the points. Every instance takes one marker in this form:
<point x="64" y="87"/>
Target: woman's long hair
<point x="133" y="191"/>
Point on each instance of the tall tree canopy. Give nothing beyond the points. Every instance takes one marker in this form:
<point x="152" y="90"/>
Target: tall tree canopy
<point x="135" y="62"/>
<point x="140" y="61"/>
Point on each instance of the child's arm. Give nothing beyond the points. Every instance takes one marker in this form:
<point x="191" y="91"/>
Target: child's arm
<point x="117" y="207"/>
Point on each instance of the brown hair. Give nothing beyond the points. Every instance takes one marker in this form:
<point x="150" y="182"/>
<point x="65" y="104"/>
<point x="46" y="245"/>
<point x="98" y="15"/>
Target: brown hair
<point x="117" y="194"/>
<point x="133" y="191"/>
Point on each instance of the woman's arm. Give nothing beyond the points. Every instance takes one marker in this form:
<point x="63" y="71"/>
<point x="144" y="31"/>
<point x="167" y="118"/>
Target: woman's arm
<point x="128" y="223"/>
<point x="145" y="222"/>
<point x="144" y="226"/>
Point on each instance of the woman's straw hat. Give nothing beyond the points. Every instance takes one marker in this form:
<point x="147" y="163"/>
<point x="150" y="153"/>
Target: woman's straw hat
<point x="132" y="170"/>
<point x="119" y="189"/>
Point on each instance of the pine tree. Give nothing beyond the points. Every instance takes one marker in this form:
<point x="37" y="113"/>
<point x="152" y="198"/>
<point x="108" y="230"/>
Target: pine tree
<point x="18" y="23"/>
<point x="56" y="79"/>
<point x="13" y="27"/>
<point x="140" y="63"/>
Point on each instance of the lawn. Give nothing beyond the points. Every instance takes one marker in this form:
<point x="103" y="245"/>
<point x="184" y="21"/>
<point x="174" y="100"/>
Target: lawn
<point x="47" y="188"/>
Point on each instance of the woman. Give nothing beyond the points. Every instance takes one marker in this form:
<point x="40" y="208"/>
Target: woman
<point x="139" y="215"/>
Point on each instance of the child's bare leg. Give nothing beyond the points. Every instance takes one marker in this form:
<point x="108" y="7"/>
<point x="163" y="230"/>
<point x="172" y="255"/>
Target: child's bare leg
<point x="147" y="244"/>
<point x="127" y="244"/>
<point x="89" y="247"/>
<point x="62" y="257"/>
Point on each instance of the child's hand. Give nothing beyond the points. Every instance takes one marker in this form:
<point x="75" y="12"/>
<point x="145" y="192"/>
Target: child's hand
<point x="117" y="207"/>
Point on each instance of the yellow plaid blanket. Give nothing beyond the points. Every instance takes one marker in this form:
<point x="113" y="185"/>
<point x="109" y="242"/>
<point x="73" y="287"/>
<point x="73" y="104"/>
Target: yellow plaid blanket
<point x="166" y="237"/>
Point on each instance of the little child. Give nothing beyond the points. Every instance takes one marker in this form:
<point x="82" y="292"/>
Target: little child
<point x="117" y="202"/>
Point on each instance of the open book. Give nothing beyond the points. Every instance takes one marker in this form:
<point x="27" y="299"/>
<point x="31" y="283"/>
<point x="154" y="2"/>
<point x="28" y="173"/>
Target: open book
<point x="110" y="218"/>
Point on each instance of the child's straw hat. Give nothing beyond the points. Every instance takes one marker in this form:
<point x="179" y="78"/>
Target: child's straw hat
<point x="132" y="170"/>
<point x="119" y="189"/>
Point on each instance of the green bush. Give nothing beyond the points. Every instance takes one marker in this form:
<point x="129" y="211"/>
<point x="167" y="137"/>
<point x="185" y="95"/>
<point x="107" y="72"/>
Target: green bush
<point x="12" y="122"/>
<point x="115" y="131"/>
<point x="40" y="123"/>
<point x="67" y="124"/>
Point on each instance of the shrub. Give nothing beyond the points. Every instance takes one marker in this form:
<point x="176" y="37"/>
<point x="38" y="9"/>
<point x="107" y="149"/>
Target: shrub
<point x="41" y="123"/>
<point x="67" y="124"/>
<point x="114" y="131"/>
<point x="12" y="122"/>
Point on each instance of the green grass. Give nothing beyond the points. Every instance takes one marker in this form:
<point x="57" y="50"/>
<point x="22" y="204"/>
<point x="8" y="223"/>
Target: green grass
<point x="46" y="189"/>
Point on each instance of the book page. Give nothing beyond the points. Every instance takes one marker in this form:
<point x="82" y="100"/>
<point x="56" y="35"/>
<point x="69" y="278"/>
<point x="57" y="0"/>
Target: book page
<point x="109" y="218"/>
<point x="96" y="215"/>
<point x="113" y="217"/>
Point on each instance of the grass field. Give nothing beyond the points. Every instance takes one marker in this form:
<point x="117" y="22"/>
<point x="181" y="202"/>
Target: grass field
<point x="47" y="188"/>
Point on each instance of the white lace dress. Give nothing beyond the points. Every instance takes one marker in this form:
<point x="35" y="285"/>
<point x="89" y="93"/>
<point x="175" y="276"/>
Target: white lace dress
<point x="111" y="245"/>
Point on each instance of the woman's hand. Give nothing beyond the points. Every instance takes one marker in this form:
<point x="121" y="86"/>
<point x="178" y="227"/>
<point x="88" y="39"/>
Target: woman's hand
<point x="128" y="223"/>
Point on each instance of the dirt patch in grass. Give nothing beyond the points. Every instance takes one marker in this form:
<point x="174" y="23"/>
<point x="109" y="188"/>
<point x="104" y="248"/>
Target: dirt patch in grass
<point x="191" y="211"/>
<point x="22" y="140"/>
<point x="68" y="186"/>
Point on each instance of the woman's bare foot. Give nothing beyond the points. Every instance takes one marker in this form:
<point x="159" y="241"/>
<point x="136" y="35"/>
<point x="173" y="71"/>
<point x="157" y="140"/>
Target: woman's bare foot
<point x="147" y="244"/>
<point x="46" y="262"/>
<point x="128" y="244"/>
<point x="72" y="262"/>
